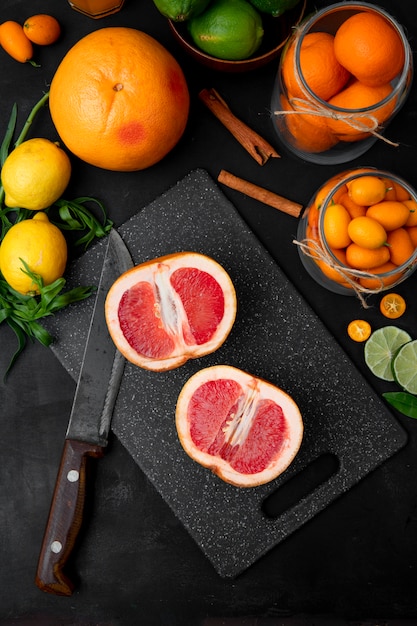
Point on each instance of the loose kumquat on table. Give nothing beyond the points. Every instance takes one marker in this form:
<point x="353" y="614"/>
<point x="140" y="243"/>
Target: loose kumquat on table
<point x="392" y="305"/>
<point x="359" y="330"/>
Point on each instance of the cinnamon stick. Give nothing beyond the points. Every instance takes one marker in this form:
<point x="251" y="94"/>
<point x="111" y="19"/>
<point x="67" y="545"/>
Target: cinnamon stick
<point x="259" y="193"/>
<point x="253" y="143"/>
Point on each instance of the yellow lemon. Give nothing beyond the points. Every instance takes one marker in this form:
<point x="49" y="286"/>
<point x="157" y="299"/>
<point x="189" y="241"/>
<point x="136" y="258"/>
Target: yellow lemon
<point x="35" y="174"/>
<point x="41" y="245"/>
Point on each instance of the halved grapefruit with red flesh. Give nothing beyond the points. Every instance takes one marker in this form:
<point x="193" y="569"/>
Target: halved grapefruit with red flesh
<point x="171" y="309"/>
<point x="243" y="428"/>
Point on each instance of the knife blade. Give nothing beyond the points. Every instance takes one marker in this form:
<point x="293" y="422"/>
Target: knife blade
<point x="88" y="429"/>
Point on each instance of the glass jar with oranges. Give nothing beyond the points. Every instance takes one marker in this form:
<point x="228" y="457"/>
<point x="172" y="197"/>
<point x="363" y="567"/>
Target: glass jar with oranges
<point x="343" y="75"/>
<point x="358" y="234"/>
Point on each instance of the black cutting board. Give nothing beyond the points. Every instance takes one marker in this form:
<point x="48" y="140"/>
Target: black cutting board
<point x="277" y="337"/>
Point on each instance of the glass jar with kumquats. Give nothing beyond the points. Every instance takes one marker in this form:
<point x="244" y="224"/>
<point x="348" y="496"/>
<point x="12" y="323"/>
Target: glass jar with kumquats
<point x="343" y="75"/>
<point x="358" y="234"/>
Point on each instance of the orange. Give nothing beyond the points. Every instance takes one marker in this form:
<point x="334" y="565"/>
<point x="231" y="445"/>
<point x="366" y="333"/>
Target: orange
<point x="381" y="281"/>
<point x="244" y="429"/>
<point x="325" y="189"/>
<point x="359" y="330"/>
<point x="119" y="99"/>
<point x="355" y="210"/>
<point x="412" y="232"/>
<point x="313" y="216"/>
<point x="412" y="216"/>
<point x="359" y="96"/>
<point x="170" y="309"/>
<point x="365" y="259"/>
<point x="14" y="41"/>
<point x="392" y="305"/>
<point x="333" y="274"/>
<point x="367" y="232"/>
<point x="391" y="193"/>
<point x="369" y="47"/>
<point x="42" y="29"/>
<point x="336" y="222"/>
<point x="400" y="192"/>
<point x="367" y="190"/>
<point x="321" y="71"/>
<point x="310" y="132"/>
<point x="390" y="214"/>
<point x="400" y="246"/>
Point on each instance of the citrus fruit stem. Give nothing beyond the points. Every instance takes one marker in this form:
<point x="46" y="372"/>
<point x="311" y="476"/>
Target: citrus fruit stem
<point x="5" y="145"/>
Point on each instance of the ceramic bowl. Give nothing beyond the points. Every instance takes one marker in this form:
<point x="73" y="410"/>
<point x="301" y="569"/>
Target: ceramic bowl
<point x="277" y="30"/>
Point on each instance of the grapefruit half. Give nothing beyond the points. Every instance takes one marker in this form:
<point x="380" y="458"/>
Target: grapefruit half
<point x="243" y="428"/>
<point x="171" y="309"/>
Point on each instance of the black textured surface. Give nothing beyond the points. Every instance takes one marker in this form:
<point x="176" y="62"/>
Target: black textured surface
<point x="277" y="337"/>
<point x="353" y="564"/>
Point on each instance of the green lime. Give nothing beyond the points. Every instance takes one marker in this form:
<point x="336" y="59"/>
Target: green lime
<point x="381" y="347"/>
<point x="227" y="29"/>
<point x="274" y="7"/>
<point x="181" y="10"/>
<point x="404" y="367"/>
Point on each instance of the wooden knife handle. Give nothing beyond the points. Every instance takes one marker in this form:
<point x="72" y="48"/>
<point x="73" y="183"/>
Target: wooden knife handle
<point x="65" y="517"/>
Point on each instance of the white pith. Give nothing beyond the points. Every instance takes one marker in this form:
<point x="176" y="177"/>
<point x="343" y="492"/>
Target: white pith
<point x="253" y="391"/>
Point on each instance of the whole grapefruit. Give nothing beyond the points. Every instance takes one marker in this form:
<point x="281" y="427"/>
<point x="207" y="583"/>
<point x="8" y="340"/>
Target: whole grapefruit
<point x="119" y="100"/>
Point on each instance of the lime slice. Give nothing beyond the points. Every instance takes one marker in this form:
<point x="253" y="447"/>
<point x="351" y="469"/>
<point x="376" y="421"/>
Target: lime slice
<point x="381" y="347"/>
<point x="404" y="367"/>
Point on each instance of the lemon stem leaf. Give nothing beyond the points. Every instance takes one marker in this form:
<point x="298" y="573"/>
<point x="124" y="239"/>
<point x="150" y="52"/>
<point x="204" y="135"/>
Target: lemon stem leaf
<point x="29" y="121"/>
<point x="22" y="312"/>
<point x="11" y="126"/>
<point x="76" y="216"/>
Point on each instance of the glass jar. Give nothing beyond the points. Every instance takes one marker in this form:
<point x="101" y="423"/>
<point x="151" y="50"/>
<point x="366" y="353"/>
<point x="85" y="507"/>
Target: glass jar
<point x="96" y="8"/>
<point x="324" y="133"/>
<point x="327" y="265"/>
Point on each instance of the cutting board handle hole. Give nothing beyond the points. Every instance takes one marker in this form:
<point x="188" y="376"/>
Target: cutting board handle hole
<point x="301" y="485"/>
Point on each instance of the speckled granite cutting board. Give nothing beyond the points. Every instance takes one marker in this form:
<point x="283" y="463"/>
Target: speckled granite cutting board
<point x="276" y="336"/>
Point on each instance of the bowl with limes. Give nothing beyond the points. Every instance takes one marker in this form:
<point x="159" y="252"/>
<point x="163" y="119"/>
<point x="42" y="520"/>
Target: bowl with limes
<point x="234" y="35"/>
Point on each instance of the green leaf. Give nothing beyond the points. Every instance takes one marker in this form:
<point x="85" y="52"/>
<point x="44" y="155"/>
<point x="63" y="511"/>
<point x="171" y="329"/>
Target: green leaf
<point x="74" y="216"/>
<point x="5" y="145"/>
<point x="405" y="403"/>
<point x="21" y="339"/>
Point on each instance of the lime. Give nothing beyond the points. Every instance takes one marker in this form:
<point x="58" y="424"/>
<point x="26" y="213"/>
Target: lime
<point x="381" y="348"/>
<point x="180" y="10"/>
<point x="35" y="174"/>
<point x="227" y="29"/>
<point x="404" y="367"/>
<point x="274" y="7"/>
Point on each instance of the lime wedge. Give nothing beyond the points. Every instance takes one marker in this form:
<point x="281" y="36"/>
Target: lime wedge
<point x="404" y="367"/>
<point x="381" y="347"/>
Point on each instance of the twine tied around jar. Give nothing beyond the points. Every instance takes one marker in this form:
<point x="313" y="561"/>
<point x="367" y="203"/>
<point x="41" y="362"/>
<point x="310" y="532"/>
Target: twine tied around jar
<point x="361" y="122"/>
<point x="312" y="249"/>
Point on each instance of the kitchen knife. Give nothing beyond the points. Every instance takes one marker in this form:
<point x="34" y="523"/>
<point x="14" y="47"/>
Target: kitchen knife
<point x="88" y="429"/>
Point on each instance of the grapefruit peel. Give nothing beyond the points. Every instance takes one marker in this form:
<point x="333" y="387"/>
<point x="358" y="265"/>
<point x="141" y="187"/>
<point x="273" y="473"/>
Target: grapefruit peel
<point x="168" y="310"/>
<point x="244" y="429"/>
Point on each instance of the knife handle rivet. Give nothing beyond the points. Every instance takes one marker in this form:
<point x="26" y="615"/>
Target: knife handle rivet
<point x="73" y="476"/>
<point x="56" y="547"/>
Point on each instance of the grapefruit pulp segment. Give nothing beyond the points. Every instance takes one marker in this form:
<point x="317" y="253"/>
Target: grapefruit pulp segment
<point x="243" y="428"/>
<point x="170" y="309"/>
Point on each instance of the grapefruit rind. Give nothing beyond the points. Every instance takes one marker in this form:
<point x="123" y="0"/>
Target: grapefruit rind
<point x="145" y="272"/>
<point x="268" y="391"/>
